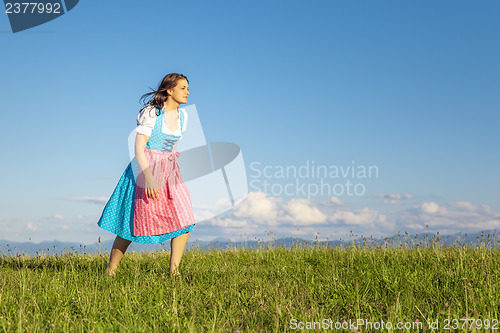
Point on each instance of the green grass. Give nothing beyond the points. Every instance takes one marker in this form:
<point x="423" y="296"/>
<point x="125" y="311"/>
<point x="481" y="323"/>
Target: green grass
<point x="257" y="290"/>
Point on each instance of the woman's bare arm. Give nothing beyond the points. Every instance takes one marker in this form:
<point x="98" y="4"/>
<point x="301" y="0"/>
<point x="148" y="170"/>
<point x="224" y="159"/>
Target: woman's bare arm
<point x="152" y="190"/>
<point x="140" y="143"/>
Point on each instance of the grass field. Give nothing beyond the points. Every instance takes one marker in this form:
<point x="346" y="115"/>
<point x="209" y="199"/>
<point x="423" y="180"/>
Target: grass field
<point x="272" y="289"/>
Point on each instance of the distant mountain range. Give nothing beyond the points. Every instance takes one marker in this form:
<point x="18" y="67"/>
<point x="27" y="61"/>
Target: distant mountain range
<point x="8" y="248"/>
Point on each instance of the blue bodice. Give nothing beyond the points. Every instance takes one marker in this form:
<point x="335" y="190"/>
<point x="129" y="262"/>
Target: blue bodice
<point x="161" y="141"/>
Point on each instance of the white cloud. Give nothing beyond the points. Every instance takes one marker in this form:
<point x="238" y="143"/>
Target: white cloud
<point x="467" y="206"/>
<point x="451" y="217"/>
<point x="32" y="227"/>
<point x="65" y="227"/>
<point x="228" y="222"/>
<point x="393" y="198"/>
<point x="204" y="212"/>
<point x="58" y="217"/>
<point x="429" y="207"/>
<point x="336" y="201"/>
<point x="258" y="207"/>
<point x="364" y="217"/>
<point x="95" y="200"/>
<point x="464" y="205"/>
<point x="302" y="212"/>
<point x="79" y="216"/>
<point x="259" y="212"/>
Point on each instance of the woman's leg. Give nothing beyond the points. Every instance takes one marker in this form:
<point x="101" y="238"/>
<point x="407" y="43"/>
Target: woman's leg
<point x="120" y="245"/>
<point x="177" y="245"/>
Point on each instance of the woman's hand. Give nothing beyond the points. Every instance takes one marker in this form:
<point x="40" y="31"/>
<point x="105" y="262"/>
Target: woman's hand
<point x="151" y="188"/>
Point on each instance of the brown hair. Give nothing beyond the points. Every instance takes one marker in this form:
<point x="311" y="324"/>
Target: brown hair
<point x="160" y="95"/>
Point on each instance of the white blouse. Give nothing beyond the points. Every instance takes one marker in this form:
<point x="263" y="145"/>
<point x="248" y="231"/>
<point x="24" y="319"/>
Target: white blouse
<point x="146" y="122"/>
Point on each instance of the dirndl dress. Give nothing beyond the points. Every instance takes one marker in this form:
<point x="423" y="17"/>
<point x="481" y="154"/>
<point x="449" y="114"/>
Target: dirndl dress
<point x="129" y="213"/>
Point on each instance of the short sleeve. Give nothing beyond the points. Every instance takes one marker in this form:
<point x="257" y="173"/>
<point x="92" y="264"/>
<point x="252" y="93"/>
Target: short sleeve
<point x="146" y="120"/>
<point x="184" y="126"/>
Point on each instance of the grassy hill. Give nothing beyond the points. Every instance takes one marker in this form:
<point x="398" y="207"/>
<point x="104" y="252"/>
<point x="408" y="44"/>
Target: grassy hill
<point x="272" y="289"/>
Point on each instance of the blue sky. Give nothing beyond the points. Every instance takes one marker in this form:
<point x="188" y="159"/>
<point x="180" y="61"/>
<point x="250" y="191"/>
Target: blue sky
<point x="409" y="87"/>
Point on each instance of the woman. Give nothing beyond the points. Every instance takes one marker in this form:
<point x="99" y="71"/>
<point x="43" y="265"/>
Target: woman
<point x="151" y="203"/>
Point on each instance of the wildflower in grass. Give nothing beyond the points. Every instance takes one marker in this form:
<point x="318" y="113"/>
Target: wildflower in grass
<point x="53" y="325"/>
<point x="334" y="279"/>
<point x="445" y="304"/>
<point x="237" y="331"/>
<point x="417" y="321"/>
<point x="469" y="284"/>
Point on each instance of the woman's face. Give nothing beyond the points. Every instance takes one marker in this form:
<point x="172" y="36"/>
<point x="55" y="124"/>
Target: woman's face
<point x="180" y="92"/>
